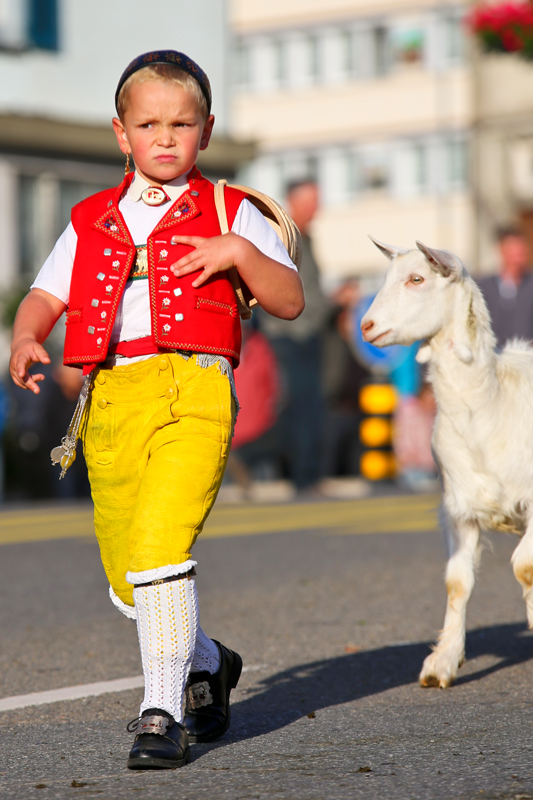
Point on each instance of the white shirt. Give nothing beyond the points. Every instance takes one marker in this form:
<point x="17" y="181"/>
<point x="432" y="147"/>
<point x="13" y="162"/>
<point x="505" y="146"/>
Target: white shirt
<point x="133" y="319"/>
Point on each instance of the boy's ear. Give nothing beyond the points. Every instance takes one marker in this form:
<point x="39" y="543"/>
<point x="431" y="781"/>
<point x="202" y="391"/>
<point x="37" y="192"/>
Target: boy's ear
<point x="120" y="133"/>
<point x="206" y="133"/>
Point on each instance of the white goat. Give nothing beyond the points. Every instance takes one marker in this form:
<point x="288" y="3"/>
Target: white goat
<point x="483" y="434"/>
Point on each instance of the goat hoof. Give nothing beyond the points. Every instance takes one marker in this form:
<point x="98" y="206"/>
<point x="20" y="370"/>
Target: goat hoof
<point x="436" y="672"/>
<point x="428" y="680"/>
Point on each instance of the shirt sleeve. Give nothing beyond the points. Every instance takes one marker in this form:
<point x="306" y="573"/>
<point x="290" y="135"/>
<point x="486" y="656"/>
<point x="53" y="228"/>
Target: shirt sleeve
<point x="251" y="224"/>
<point x="56" y="273"/>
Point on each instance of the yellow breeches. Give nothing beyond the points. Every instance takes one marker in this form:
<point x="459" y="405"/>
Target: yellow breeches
<point x="156" y="442"/>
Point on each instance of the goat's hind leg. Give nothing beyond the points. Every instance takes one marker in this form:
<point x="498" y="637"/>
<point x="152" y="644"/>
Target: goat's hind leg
<point x="440" y="668"/>
<point x="522" y="561"/>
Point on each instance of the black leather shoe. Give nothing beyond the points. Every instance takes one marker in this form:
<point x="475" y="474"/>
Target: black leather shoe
<point x="161" y="742"/>
<point x="207" y="714"/>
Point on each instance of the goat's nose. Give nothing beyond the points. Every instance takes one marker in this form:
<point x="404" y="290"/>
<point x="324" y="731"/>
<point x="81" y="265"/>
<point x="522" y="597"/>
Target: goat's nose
<point x="366" y="327"/>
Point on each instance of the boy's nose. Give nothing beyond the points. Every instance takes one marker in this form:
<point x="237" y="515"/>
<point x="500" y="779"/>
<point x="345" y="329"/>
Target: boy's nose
<point x="165" y="137"/>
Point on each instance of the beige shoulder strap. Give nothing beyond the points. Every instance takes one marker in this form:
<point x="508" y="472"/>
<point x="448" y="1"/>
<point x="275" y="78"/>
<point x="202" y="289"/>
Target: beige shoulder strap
<point x="278" y="218"/>
<point x="245" y="311"/>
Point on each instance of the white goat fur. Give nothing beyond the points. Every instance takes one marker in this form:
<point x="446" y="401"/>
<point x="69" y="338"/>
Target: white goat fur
<point x="483" y="433"/>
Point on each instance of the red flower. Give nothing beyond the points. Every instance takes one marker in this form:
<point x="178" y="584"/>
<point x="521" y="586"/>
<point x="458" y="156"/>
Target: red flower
<point x="506" y="27"/>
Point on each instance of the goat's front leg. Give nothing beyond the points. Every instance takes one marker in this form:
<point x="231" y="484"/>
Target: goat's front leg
<point x="522" y="561"/>
<point x="440" y="668"/>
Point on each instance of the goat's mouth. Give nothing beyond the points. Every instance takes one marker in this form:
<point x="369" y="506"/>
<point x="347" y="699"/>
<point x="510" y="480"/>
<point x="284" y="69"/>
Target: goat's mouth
<point x="378" y="340"/>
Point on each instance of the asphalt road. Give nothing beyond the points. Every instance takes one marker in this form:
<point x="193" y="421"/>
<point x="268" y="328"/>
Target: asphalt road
<point x="332" y="606"/>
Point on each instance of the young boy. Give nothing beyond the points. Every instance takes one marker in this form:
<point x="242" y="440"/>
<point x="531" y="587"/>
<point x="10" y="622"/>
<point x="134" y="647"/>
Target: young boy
<point x="141" y="272"/>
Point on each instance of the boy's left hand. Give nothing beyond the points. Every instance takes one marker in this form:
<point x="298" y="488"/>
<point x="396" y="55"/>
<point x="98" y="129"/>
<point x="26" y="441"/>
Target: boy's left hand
<point x="214" y="254"/>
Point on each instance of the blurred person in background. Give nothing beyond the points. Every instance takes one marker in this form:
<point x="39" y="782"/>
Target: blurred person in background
<point x="297" y="346"/>
<point x="59" y="408"/>
<point x="509" y="295"/>
<point x="256" y="440"/>
<point x="34" y="428"/>
<point x="343" y="377"/>
<point x="413" y="426"/>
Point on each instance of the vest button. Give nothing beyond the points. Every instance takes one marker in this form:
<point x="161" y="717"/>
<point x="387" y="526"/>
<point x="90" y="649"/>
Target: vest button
<point x="163" y="363"/>
<point x="102" y="403"/>
<point x="100" y="378"/>
<point x="169" y="394"/>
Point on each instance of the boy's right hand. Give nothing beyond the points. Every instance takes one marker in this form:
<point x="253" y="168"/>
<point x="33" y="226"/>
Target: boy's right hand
<point x="24" y="353"/>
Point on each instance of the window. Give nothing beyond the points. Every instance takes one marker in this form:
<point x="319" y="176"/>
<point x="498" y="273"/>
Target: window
<point x="381" y="52"/>
<point x="456" y="163"/>
<point x="446" y="39"/>
<point x="266" y="175"/>
<point x="29" y="23"/>
<point x="453" y="37"/>
<point x="339" y="175"/>
<point x="374" y="168"/>
<point x="27" y="216"/>
<point x="12" y="25"/>
<point x="411" y="169"/>
<point x="43" y="24"/>
<point x="44" y="206"/>
<point x="337" y="54"/>
<point x="242" y="77"/>
<point x="407" y="42"/>
<point x="268" y="63"/>
<point x="302" y="60"/>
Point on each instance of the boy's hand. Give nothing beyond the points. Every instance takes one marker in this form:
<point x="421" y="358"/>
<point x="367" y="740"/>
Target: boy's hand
<point x="277" y="288"/>
<point x="215" y="254"/>
<point x="26" y="352"/>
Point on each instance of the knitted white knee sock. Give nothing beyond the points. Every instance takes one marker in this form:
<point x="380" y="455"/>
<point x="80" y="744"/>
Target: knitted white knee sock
<point x="167" y="620"/>
<point x="206" y="654"/>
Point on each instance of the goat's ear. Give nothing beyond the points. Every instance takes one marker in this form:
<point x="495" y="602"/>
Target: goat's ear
<point x="442" y="261"/>
<point x="388" y="249"/>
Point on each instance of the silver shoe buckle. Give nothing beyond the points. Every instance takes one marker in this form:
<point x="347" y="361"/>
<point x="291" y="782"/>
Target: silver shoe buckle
<point x="198" y="695"/>
<point x="153" y="724"/>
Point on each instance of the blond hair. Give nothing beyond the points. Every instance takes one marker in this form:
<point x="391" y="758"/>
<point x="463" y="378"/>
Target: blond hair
<point x="161" y="73"/>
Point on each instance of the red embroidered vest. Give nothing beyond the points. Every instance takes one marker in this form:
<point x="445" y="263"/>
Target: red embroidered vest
<point x="203" y="319"/>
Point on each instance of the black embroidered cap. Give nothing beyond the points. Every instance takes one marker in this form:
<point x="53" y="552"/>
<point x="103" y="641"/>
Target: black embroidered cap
<point x="168" y="57"/>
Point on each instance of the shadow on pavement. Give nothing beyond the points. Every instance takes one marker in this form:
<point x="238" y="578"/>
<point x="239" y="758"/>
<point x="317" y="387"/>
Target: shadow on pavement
<point x="289" y="695"/>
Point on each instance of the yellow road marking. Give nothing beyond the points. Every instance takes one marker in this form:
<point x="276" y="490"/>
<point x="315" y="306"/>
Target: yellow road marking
<point x="372" y="515"/>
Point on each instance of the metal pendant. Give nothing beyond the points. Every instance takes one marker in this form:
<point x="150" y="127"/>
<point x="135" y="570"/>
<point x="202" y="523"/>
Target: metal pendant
<point x="153" y="196"/>
<point x="65" y="453"/>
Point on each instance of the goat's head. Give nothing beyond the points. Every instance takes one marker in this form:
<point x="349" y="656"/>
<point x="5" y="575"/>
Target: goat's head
<point x="416" y="299"/>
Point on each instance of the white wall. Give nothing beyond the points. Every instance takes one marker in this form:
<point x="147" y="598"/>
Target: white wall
<point x="98" y="39"/>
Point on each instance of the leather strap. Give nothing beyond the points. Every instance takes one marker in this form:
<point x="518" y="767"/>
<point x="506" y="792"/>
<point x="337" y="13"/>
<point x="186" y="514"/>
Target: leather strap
<point x="187" y="575"/>
<point x="245" y="311"/>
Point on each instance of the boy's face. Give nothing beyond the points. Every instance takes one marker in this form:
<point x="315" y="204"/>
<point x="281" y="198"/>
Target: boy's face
<point x="163" y="128"/>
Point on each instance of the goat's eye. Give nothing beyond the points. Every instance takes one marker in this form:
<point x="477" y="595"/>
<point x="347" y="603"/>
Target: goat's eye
<point x="416" y="279"/>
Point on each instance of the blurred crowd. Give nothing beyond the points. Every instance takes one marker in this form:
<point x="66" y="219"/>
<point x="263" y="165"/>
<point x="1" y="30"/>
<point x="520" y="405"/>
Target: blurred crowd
<point x="299" y="384"/>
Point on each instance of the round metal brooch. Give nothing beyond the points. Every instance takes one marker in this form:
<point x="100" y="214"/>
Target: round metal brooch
<point x="153" y="196"/>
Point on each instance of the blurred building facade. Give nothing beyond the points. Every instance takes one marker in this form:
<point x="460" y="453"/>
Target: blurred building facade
<point x="372" y="98"/>
<point x="410" y="133"/>
<point x="502" y="161"/>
